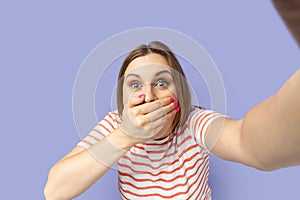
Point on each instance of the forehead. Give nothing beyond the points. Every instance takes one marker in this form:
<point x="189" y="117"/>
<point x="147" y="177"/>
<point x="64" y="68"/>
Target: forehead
<point x="142" y="63"/>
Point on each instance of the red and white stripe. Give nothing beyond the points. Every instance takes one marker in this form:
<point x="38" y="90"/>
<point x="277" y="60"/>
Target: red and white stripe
<point x="176" y="167"/>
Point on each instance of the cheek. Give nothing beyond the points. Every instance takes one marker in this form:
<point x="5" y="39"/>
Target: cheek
<point x="169" y="92"/>
<point x="128" y="94"/>
<point x="125" y="96"/>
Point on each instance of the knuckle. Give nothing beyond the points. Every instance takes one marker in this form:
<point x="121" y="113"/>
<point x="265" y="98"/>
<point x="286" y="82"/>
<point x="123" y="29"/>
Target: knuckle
<point x="140" y="122"/>
<point x="135" y="111"/>
<point x="162" y="112"/>
<point x="159" y="103"/>
<point x="156" y="105"/>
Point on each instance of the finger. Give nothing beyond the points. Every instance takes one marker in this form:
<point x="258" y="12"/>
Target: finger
<point x="136" y="100"/>
<point x="160" y="125"/>
<point x="160" y="122"/>
<point x="152" y="106"/>
<point x="144" y="119"/>
<point x="163" y="111"/>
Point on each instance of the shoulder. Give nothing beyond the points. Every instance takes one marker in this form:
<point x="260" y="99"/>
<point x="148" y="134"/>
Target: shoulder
<point x="198" y="123"/>
<point x="114" y="115"/>
<point x="112" y="118"/>
<point x="198" y="113"/>
<point x="194" y="113"/>
<point x="110" y="121"/>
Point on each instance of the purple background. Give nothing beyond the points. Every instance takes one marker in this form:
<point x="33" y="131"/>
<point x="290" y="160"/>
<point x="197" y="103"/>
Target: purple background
<point x="42" y="45"/>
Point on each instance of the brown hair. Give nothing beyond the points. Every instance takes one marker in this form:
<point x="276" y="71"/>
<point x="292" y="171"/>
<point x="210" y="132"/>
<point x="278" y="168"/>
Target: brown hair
<point x="182" y="87"/>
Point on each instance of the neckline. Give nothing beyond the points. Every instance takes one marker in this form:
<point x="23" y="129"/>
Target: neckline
<point x="160" y="141"/>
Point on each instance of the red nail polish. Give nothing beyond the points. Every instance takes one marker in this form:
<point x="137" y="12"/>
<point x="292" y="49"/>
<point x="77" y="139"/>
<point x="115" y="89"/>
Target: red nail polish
<point x="171" y="100"/>
<point x="177" y="108"/>
<point x="141" y="95"/>
<point x="175" y="104"/>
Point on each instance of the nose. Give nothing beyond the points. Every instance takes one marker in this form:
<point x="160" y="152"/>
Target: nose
<point x="149" y="94"/>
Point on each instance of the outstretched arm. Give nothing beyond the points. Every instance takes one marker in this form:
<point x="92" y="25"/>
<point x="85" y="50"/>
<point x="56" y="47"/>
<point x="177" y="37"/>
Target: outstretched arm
<point x="271" y="130"/>
<point x="268" y="137"/>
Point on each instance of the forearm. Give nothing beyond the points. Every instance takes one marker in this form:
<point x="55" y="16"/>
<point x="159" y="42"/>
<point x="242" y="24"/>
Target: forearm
<point x="271" y="130"/>
<point x="75" y="174"/>
<point x="290" y="13"/>
<point x="72" y="176"/>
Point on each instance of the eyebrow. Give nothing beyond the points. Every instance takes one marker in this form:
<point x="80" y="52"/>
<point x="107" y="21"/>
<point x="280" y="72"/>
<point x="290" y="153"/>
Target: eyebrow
<point x="157" y="74"/>
<point x="163" y="71"/>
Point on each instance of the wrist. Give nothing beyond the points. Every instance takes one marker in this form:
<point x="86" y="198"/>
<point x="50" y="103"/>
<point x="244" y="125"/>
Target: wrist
<point x="121" y="140"/>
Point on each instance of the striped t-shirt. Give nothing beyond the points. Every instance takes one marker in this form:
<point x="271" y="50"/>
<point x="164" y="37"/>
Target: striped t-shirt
<point x="176" y="167"/>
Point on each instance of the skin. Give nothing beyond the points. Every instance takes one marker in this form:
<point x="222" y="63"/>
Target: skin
<point x="68" y="179"/>
<point x="253" y="140"/>
<point x="275" y="121"/>
<point x="149" y="77"/>
<point x="268" y="137"/>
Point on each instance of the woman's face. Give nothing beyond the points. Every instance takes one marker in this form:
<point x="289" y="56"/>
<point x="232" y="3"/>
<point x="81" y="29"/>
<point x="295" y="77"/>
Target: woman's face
<point x="149" y="75"/>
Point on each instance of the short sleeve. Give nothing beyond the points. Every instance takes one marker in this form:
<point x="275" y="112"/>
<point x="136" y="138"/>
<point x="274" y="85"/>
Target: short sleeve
<point x="199" y="122"/>
<point x="103" y="128"/>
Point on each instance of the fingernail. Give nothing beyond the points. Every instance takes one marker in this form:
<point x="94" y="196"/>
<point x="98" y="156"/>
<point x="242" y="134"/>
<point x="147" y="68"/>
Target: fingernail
<point x="141" y="95"/>
<point x="175" y="104"/>
<point x="177" y="108"/>
<point x="171" y="100"/>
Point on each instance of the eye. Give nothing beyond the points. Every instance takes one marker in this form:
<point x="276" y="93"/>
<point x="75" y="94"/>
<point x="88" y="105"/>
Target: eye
<point x="161" y="83"/>
<point x="135" y="85"/>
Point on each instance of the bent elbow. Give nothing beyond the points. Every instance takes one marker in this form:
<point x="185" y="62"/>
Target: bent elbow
<point x="265" y="168"/>
<point x="259" y="164"/>
<point x="50" y="192"/>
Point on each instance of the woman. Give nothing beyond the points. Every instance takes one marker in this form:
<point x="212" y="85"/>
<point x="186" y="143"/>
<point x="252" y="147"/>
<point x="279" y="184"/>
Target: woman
<point x="162" y="143"/>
